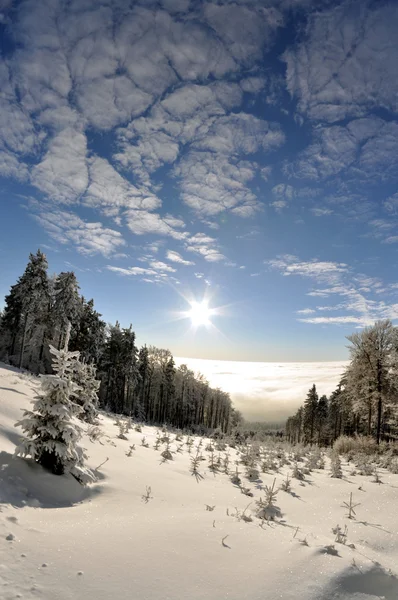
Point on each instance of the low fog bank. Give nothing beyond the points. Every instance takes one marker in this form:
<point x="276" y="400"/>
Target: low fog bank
<point x="268" y="391"/>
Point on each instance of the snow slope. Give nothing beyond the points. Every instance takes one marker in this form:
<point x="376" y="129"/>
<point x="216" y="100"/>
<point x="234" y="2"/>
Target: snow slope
<point x="60" y="541"/>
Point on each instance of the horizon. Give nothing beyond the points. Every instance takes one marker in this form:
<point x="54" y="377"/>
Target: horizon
<point x="232" y="157"/>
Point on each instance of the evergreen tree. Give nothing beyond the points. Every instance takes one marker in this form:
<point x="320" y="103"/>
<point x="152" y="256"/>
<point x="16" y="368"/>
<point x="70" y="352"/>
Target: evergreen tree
<point x="321" y="419"/>
<point x="67" y="306"/>
<point x="310" y="414"/>
<point x="25" y="315"/>
<point x="142" y="388"/>
<point x="84" y="376"/>
<point x="51" y="435"/>
<point x="88" y="337"/>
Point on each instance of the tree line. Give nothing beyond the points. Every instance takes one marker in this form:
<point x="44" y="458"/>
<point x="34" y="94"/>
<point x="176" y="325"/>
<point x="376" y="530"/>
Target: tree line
<point x="365" y="401"/>
<point x="142" y="382"/>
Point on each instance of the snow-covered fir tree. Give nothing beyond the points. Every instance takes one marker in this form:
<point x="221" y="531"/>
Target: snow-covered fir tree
<point x="52" y="436"/>
<point x="84" y="376"/>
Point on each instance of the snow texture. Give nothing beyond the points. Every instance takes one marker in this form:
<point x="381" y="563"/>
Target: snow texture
<point x="144" y="532"/>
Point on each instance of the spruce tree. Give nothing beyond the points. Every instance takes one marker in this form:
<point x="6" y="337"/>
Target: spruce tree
<point x="67" y="305"/>
<point x="51" y="435"/>
<point x="25" y="314"/>
<point x="84" y="376"/>
<point x="310" y="414"/>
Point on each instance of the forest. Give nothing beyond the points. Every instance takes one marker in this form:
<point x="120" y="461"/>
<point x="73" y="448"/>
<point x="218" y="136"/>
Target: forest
<point x="365" y="401"/>
<point x="143" y="383"/>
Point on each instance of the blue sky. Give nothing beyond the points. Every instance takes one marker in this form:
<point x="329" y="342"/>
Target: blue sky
<point x="242" y="151"/>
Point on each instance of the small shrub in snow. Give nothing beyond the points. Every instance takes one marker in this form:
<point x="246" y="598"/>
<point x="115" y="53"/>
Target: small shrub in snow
<point x="359" y="444"/>
<point x="131" y="450"/>
<point x="221" y="446"/>
<point x="144" y="442"/>
<point x="287" y="485"/>
<point x="267" y="508"/>
<point x="341" y="535"/>
<point x="194" y="468"/>
<point x="235" y="479"/>
<point x="246" y="491"/>
<point x="297" y="473"/>
<point x="226" y="464"/>
<point x="335" y="466"/>
<point x="212" y="465"/>
<point x="376" y="477"/>
<point x="138" y="428"/>
<point x="210" y="508"/>
<point x="122" y="431"/>
<point x="364" y="465"/>
<point x="166" y="454"/>
<point x="94" y="433"/>
<point x="351" y="507"/>
<point x="252" y="474"/>
<point x="147" y="496"/>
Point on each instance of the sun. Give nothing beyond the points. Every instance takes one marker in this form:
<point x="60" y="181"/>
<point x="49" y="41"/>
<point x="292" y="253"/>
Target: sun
<point x="200" y="314"/>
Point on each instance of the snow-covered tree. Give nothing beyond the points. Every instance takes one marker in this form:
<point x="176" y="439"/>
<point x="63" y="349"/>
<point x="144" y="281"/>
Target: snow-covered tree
<point x="52" y="436"/>
<point x="84" y="376"/>
<point x="25" y="315"/>
<point x="67" y="305"/>
<point x="310" y="413"/>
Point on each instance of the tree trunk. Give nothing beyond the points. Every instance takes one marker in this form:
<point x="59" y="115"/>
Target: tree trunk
<point x="370" y="419"/>
<point x="25" y="327"/>
<point x="379" y="402"/>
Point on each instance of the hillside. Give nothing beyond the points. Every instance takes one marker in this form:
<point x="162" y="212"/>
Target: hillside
<point x="60" y="541"/>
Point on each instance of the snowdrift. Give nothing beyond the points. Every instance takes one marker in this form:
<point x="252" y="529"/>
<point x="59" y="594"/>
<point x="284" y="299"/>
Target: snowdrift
<point x="150" y="530"/>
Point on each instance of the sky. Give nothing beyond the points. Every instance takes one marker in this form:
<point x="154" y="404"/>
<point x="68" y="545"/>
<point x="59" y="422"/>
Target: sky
<point x="241" y="152"/>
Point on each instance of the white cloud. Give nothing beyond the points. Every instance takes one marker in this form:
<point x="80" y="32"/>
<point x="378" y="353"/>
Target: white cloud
<point x="213" y="185"/>
<point x="320" y="270"/>
<point x="158" y="265"/>
<point x="131" y="270"/>
<point x="346" y="62"/>
<point x="205" y="246"/>
<point x="107" y="102"/>
<point x="108" y="188"/>
<point x="321" y="212"/>
<point x="62" y="174"/>
<point x="240" y="133"/>
<point x="87" y="238"/>
<point x="338" y="320"/>
<point x="177" y="258"/>
<point x="142" y="222"/>
<point x="245" y="30"/>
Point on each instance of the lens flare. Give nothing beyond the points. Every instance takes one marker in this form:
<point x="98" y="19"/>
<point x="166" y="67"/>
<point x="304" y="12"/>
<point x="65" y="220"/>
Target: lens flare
<point x="200" y="314"/>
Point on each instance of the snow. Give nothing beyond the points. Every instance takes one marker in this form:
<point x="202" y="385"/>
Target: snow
<point x="61" y="541"/>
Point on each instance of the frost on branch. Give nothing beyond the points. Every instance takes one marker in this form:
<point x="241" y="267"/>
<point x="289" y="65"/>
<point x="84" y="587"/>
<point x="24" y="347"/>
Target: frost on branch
<point x="52" y="435"/>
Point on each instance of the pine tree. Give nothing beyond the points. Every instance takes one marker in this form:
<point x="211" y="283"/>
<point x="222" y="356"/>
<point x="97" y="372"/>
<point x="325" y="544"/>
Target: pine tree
<point x="51" y="435"/>
<point x="67" y="305"/>
<point x="25" y="314"/>
<point x="321" y="418"/>
<point x="84" y="376"/>
<point x="88" y="337"/>
<point x="310" y="412"/>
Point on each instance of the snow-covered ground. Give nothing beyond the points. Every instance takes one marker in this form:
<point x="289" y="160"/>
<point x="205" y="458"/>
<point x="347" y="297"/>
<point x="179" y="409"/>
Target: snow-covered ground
<point x="60" y="541"/>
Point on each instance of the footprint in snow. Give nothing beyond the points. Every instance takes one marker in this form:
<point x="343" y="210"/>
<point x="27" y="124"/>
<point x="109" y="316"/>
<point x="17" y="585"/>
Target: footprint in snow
<point x="12" y="519"/>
